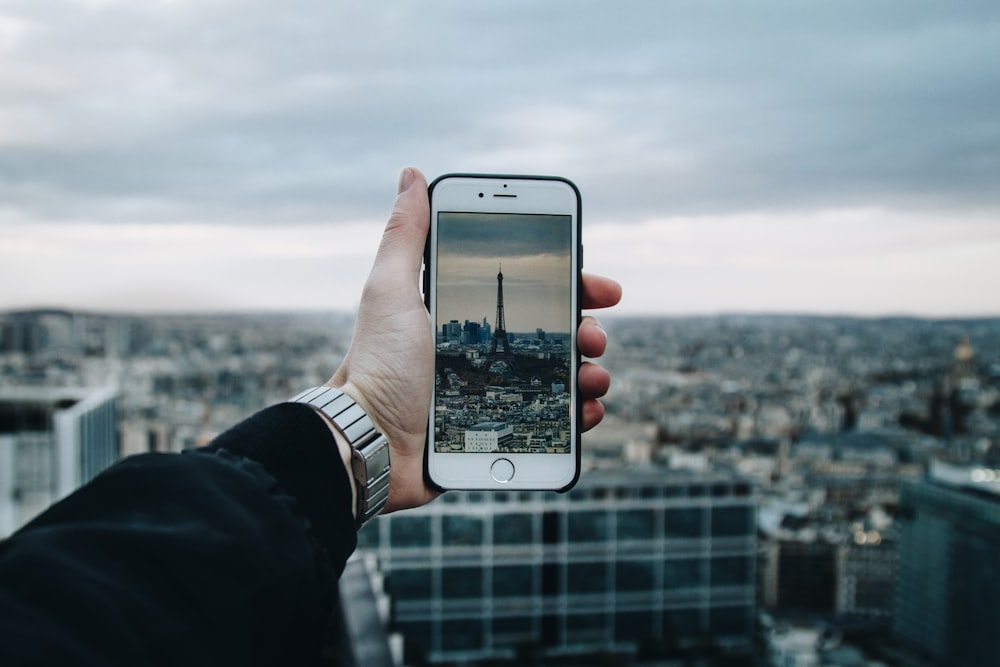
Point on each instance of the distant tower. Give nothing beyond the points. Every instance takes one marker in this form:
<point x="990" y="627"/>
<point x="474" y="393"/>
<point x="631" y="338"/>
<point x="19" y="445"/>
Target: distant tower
<point x="500" y="347"/>
<point x="965" y="360"/>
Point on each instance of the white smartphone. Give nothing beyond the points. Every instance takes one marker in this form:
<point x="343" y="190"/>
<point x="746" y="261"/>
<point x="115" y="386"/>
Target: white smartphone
<point x="502" y="285"/>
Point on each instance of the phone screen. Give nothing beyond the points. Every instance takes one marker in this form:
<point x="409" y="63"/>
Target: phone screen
<point x="503" y="346"/>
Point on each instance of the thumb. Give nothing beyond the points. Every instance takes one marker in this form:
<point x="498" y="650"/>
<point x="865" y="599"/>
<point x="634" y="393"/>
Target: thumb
<point x="402" y="248"/>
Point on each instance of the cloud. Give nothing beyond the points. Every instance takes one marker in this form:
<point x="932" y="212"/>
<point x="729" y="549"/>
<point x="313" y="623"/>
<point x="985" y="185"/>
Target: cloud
<point x="500" y="236"/>
<point x="862" y="262"/>
<point x="241" y="110"/>
<point x="245" y="113"/>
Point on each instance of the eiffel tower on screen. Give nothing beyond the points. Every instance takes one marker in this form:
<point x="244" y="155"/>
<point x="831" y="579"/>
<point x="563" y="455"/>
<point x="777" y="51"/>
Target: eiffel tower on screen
<point x="500" y="346"/>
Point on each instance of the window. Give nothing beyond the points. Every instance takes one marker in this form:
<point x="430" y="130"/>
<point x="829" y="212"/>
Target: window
<point x="680" y="625"/>
<point x="461" y="634"/>
<point x="588" y="526"/>
<point x="681" y="573"/>
<point x="409" y="531"/>
<point x="649" y="492"/>
<point x="513" y="529"/>
<point x="513" y="581"/>
<point x="461" y="582"/>
<point x="635" y="575"/>
<point x="636" y="525"/>
<point x="460" y="530"/>
<point x="586" y="578"/>
<point x="586" y="628"/>
<point x="732" y="521"/>
<point x="512" y="630"/>
<point x="683" y="522"/>
<point x="731" y="571"/>
<point x="635" y="626"/>
<point x="410" y="584"/>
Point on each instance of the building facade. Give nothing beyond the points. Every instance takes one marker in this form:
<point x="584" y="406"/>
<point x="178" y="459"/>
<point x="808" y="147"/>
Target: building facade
<point x="623" y="561"/>
<point x="489" y="437"/>
<point x="947" y="583"/>
<point x="51" y="442"/>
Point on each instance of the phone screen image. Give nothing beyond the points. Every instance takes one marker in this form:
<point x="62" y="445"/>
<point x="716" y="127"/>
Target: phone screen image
<point x="504" y="345"/>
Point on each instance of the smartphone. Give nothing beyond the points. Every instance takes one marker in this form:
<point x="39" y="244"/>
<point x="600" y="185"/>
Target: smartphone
<point x="502" y="285"/>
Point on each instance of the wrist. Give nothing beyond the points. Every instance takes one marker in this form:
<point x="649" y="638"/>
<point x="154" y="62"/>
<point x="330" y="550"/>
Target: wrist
<point x="361" y="447"/>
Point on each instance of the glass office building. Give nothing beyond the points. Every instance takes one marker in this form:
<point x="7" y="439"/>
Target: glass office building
<point x="948" y="583"/>
<point x="625" y="560"/>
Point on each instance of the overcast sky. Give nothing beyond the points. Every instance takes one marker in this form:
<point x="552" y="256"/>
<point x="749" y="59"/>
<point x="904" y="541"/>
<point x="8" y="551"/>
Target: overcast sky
<point x="533" y="253"/>
<point x="836" y="157"/>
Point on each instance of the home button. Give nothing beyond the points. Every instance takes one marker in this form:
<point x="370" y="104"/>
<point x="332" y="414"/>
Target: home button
<point x="502" y="471"/>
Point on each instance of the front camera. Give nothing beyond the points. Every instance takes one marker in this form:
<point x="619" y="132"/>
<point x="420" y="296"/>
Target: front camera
<point x="480" y="194"/>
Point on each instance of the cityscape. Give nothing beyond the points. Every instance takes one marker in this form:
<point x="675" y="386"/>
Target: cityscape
<point x="764" y="489"/>
<point x="500" y="391"/>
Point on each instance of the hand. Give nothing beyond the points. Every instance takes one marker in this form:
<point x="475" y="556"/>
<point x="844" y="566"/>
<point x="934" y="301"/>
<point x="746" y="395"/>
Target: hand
<point x="389" y="367"/>
<point x="591" y="340"/>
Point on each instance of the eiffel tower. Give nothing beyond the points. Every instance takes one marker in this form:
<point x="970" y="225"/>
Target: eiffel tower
<point x="500" y="346"/>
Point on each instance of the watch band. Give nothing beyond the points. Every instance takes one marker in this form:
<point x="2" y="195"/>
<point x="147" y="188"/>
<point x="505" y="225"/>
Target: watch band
<point x="369" y="448"/>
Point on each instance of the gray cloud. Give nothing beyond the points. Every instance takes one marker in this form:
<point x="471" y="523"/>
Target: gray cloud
<point x="247" y="112"/>
<point x="497" y="236"/>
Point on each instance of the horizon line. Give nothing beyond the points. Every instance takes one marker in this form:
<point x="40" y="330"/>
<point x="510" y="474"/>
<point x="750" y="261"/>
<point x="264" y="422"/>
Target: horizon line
<point x="603" y="314"/>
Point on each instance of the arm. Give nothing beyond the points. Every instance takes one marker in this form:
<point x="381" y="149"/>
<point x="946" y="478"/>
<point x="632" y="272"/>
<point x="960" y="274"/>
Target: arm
<point x="202" y="558"/>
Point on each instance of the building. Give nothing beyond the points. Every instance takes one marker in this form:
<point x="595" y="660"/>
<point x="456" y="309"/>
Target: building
<point x="471" y="333"/>
<point x="451" y="330"/>
<point x="662" y="559"/>
<point x="51" y="442"/>
<point x="866" y="569"/>
<point x="489" y="437"/>
<point x="947" y="583"/>
<point x="799" y="575"/>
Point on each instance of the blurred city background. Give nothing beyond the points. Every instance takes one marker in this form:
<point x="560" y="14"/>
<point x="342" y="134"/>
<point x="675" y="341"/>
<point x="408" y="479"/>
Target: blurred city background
<point x="765" y="490"/>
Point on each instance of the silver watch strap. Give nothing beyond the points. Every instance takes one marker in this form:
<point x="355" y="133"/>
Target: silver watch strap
<point x="370" y="449"/>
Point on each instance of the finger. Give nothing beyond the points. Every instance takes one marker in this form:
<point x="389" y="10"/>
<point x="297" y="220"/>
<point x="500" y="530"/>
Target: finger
<point x="402" y="246"/>
<point x="591" y="338"/>
<point x="592" y="413"/>
<point x="600" y="292"/>
<point x="593" y="380"/>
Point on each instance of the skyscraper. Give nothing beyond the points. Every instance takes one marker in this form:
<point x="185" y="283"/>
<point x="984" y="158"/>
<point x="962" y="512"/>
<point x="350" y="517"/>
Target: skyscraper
<point x="947" y="584"/>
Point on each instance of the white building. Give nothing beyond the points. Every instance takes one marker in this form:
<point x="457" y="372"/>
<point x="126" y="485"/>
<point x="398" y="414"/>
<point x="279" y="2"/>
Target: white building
<point x="488" y="437"/>
<point x="51" y="442"/>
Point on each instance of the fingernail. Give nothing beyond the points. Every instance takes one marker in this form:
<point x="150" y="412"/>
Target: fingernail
<point x="405" y="180"/>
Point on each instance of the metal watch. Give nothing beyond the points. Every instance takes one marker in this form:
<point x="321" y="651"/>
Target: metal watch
<point x="369" y="448"/>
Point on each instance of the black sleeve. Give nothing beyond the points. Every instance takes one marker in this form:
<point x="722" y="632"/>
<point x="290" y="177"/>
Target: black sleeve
<point x="226" y="555"/>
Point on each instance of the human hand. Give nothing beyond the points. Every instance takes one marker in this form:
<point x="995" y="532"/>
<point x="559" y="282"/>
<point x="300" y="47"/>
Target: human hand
<point x="389" y="367"/>
<point x="593" y="381"/>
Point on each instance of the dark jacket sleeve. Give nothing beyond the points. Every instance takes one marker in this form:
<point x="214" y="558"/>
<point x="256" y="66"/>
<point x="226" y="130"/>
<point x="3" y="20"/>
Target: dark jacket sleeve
<point x="226" y="555"/>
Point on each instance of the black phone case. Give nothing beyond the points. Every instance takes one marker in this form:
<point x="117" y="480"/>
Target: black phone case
<point x="577" y="411"/>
